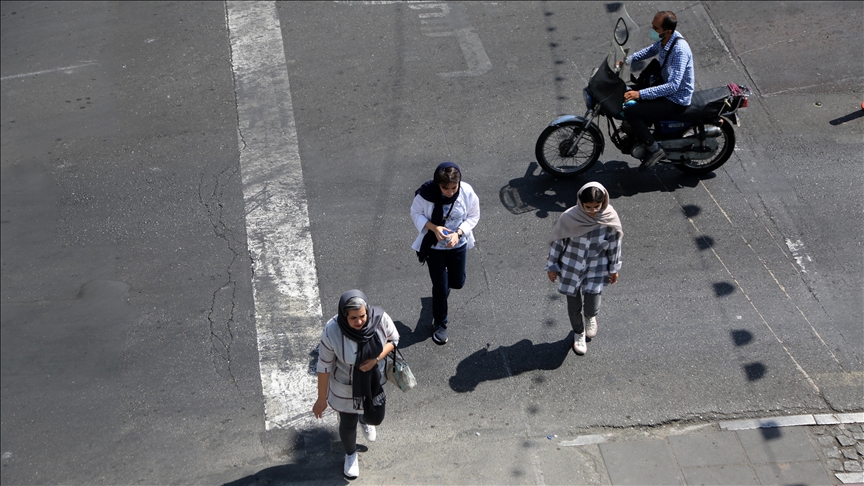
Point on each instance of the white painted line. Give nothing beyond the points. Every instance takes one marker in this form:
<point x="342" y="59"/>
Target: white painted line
<point x="767" y="423"/>
<point x="851" y="478"/>
<point x="851" y="418"/>
<point x="584" y="440"/>
<point x="469" y="42"/>
<point x="285" y="282"/>
<point x="380" y="2"/>
<point x="826" y="419"/>
<point x="798" y="253"/>
<point x="688" y="429"/>
<point x="66" y="69"/>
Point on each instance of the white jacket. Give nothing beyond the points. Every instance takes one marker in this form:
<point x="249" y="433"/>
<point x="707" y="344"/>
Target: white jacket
<point x="421" y="213"/>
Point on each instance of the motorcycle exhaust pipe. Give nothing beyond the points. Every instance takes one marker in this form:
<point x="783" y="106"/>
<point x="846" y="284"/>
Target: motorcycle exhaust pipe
<point x="713" y="132"/>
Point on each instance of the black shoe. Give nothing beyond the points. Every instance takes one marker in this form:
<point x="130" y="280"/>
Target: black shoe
<point x="652" y="159"/>
<point x="439" y="335"/>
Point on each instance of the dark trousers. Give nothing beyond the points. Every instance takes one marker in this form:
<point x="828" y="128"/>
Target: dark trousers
<point x="348" y="427"/>
<point x="447" y="271"/>
<point x="641" y="113"/>
<point x="574" y="309"/>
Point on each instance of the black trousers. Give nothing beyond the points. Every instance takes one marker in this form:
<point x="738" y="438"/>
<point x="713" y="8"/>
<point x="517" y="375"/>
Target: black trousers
<point x="574" y="309"/>
<point x="642" y="112"/>
<point x="348" y="427"/>
<point x="447" y="271"/>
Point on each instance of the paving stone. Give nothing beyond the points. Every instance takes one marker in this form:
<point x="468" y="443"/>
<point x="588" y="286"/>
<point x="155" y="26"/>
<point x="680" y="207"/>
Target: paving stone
<point x="808" y="472"/>
<point x="729" y="474"/>
<point x="644" y="462"/>
<point x="832" y="452"/>
<point x="834" y="465"/>
<point x="858" y="435"/>
<point x="846" y="441"/>
<point x="850" y="453"/>
<point x="783" y="444"/>
<point x="860" y="448"/>
<point x="827" y="440"/>
<point x="852" y="466"/>
<point x="818" y="429"/>
<point x="711" y="449"/>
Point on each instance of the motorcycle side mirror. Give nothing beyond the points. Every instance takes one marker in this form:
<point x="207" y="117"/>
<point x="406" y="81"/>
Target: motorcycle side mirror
<point x="622" y="34"/>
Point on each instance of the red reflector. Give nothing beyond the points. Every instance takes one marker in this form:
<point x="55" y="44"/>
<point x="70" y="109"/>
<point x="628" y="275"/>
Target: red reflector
<point x="745" y="103"/>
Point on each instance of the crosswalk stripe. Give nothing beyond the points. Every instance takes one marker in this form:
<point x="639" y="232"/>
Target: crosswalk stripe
<point x="284" y="282"/>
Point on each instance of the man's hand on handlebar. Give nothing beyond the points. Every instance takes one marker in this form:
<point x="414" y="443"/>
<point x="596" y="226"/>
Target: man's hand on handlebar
<point x="631" y="95"/>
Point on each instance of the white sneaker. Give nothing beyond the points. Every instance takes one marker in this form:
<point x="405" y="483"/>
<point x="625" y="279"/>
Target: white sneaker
<point x="590" y="326"/>
<point x="579" y="344"/>
<point x="369" y="432"/>
<point x="352" y="467"/>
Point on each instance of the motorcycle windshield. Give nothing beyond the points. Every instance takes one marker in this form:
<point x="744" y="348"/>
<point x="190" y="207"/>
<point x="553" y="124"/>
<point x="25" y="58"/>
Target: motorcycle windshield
<point x="625" y="39"/>
<point x="607" y="84"/>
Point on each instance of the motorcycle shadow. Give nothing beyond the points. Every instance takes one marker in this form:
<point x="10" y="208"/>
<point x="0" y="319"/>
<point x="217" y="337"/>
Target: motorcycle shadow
<point x="542" y="193"/>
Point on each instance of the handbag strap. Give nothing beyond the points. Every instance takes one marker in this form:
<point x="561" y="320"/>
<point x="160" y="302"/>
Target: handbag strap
<point x="394" y="353"/>
<point x="671" y="48"/>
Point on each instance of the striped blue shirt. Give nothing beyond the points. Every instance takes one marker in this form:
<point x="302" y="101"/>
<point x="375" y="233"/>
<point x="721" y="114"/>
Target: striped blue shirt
<point x="678" y="72"/>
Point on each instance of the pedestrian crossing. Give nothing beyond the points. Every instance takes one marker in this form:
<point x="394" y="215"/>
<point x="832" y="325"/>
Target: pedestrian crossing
<point x="285" y="283"/>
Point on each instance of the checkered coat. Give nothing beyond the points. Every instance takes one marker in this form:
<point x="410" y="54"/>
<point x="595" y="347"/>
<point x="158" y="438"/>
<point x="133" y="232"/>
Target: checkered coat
<point x="585" y="261"/>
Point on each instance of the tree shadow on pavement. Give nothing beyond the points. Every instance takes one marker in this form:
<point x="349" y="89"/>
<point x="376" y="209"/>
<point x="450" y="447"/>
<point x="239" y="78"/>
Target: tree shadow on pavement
<point x="506" y="361"/>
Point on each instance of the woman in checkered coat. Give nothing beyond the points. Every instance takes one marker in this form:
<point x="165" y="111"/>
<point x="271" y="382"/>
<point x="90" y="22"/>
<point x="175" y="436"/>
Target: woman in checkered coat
<point x="585" y="251"/>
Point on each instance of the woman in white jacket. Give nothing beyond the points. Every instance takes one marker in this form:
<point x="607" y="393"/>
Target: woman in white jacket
<point x="445" y="211"/>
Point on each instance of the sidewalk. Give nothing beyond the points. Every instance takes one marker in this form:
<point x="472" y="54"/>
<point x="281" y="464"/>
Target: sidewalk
<point x="803" y="449"/>
<point x="800" y="450"/>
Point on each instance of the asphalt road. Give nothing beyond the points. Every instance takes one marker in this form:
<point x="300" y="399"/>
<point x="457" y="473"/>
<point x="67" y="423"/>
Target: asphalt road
<point x="129" y="350"/>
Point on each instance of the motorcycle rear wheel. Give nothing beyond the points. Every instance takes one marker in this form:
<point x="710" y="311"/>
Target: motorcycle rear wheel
<point x="556" y="140"/>
<point x="726" y="145"/>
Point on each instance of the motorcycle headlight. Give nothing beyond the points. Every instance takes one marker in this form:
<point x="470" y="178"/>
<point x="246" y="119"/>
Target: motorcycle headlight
<point x="589" y="103"/>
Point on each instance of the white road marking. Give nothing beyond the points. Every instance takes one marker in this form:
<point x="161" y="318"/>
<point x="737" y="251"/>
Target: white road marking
<point x="288" y="313"/>
<point x="469" y="42"/>
<point x="585" y="440"/>
<point x="790" y="421"/>
<point x="66" y="69"/>
<point x="798" y="253"/>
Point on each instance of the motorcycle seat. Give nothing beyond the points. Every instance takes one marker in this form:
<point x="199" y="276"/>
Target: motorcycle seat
<point x="704" y="104"/>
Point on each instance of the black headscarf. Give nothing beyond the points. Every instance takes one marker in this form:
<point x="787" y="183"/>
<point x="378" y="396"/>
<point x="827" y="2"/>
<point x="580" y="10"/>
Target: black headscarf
<point x="368" y="393"/>
<point x="431" y="191"/>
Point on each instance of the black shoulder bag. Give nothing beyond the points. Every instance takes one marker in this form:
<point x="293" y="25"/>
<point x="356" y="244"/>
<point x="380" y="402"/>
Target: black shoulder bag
<point x="652" y="75"/>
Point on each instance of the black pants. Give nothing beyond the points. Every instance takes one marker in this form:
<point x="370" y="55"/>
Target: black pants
<point x="574" y="309"/>
<point x="641" y="113"/>
<point x="447" y="271"/>
<point x="348" y="427"/>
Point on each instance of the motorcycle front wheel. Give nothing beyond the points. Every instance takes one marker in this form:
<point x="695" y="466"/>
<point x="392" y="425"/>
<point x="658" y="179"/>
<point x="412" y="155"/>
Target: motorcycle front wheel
<point x="555" y="142"/>
<point x="726" y="145"/>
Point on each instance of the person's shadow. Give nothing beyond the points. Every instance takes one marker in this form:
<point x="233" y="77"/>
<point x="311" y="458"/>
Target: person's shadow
<point x="422" y="330"/>
<point x="545" y="195"/>
<point x="506" y="361"/>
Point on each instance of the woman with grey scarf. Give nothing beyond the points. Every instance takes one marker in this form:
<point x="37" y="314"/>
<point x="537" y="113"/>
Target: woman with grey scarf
<point x="585" y="252"/>
<point x="351" y="360"/>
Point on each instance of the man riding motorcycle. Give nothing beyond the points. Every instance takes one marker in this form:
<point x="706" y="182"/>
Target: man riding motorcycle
<point x="673" y="93"/>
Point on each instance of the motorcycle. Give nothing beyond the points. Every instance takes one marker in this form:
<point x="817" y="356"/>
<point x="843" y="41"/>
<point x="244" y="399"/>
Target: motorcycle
<point x="697" y="141"/>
